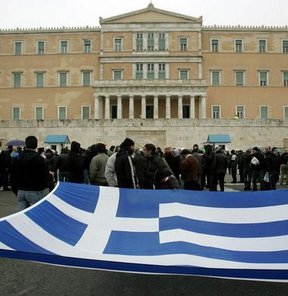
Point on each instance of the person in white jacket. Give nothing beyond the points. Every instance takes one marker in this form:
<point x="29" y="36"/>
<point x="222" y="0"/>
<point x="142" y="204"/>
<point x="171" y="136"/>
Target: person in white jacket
<point x="110" y="169"/>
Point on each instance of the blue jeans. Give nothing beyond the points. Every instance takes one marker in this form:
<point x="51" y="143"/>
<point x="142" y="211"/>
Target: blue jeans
<point x="28" y="198"/>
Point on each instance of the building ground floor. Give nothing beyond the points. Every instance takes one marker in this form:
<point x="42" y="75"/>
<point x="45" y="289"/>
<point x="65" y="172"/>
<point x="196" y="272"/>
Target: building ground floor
<point x="161" y="132"/>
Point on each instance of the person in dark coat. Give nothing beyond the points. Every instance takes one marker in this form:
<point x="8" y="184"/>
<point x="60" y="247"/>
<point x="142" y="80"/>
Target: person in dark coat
<point x="75" y="163"/>
<point x="245" y="163"/>
<point x="257" y="168"/>
<point x="124" y="165"/>
<point x="29" y="175"/>
<point x="207" y="161"/>
<point x="275" y="168"/>
<point x="219" y="168"/>
<point x="5" y="163"/>
<point x="62" y="165"/>
<point x="198" y="154"/>
<point x="284" y="167"/>
<point x="158" y="174"/>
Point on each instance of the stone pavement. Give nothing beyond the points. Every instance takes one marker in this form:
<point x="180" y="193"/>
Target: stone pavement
<point x="19" y="278"/>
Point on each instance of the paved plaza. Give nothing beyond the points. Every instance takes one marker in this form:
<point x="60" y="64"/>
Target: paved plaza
<point x="20" y="277"/>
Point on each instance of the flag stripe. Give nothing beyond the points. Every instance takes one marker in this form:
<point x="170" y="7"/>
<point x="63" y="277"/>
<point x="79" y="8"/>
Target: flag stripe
<point x="269" y="244"/>
<point x="140" y="247"/>
<point x="225" y="229"/>
<point x="43" y="239"/>
<point x="83" y="198"/>
<point x="56" y="223"/>
<point x="225" y="215"/>
<point x="256" y="274"/>
<point x="16" y="241"/>
<point x="145" y="203"/>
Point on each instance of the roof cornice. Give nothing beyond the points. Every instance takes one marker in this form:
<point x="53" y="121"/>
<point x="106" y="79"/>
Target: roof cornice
<point x="49" y="30"/>
<point x="246" y="28"/>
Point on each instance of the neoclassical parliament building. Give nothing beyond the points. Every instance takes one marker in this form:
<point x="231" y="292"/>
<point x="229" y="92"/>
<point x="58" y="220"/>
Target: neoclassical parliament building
<point x="147" y="72"/>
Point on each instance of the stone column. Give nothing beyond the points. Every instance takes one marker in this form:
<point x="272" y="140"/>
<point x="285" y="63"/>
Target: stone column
<point x="192" y="107"/>
<point x="96" y="106"/>
<point x="155" y="115"/>
<point x="131" y="107"/>
<point x="203" y="107"/>
<point x="180" y="107"/>
<point x="168" y="107"/>
<point x="107" y="107"/>
<point x="143" y="107"/>
<point x="119" y="107"/>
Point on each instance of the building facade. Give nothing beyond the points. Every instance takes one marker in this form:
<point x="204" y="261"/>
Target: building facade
<point x="149" y="64"/>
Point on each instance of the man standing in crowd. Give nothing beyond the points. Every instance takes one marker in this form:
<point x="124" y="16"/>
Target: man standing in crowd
<point x="246" y="165"/>
<point x="233" y="166"/>
<point x="219" y="168"/>
<point x="257" y="168"/>
<point x="98" y="165"/>
<point x="29" y="175"/>
<point x="207" y="161"/>
<point x="124" y="166"/>
<point x="5" y="163"/>
<point x="173" y="161"/>
<point x="75" y="163"/>
<point x="157" y="173"/>
<point x="284" y="167"/>
<point x="198" y="154"/>
<point x="189" y="169"/>
<point x="110" y="174"/>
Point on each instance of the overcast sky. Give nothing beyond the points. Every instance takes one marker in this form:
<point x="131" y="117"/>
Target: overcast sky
<point x="74" y="13"/>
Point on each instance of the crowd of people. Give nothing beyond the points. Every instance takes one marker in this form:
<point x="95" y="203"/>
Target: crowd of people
<point x="30" y="171"/>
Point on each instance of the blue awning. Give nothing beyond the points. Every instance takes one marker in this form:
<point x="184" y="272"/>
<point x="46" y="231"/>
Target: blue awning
<point x="57" y="139"/>
<point x="219" y="139"/>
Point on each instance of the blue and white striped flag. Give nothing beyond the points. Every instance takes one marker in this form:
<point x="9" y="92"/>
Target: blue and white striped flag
<point x="232" y="234"/>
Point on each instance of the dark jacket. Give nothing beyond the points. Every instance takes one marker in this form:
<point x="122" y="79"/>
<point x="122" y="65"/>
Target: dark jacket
<point x="75" y="164"/>
<point x="174" y="163"/>
<point x="156" y="170"/>
<point x="259" y="155"/>
<point x="125" y="170"/>
<point x="220" y="163"/>
<point x="29" y="172"/>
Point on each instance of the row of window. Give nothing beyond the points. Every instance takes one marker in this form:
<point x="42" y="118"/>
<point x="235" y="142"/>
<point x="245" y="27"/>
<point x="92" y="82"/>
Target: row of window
<point x="86" y="112"/>
<point x="239" y="45"/>
<point x="41" y="46"/>
<point x="40" y="79"/>
<point x="240" y="77"/>
<point x="240" y="112"/>
<point x="148" y="41"/>
<point x="150" y="71"/>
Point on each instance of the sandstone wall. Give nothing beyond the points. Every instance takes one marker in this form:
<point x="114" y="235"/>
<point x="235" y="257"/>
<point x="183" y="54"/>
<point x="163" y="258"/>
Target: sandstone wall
<point x="161" y="132"/>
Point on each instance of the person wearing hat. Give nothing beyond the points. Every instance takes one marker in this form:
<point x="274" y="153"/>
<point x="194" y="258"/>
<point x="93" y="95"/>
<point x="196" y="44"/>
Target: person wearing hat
<point x="124" y="165"/>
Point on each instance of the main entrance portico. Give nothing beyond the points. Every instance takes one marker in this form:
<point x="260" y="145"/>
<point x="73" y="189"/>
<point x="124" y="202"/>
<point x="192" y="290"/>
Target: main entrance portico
<point x="150" y="99"/>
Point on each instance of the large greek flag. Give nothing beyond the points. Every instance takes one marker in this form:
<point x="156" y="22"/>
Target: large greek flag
<point x="232" y="235"/>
